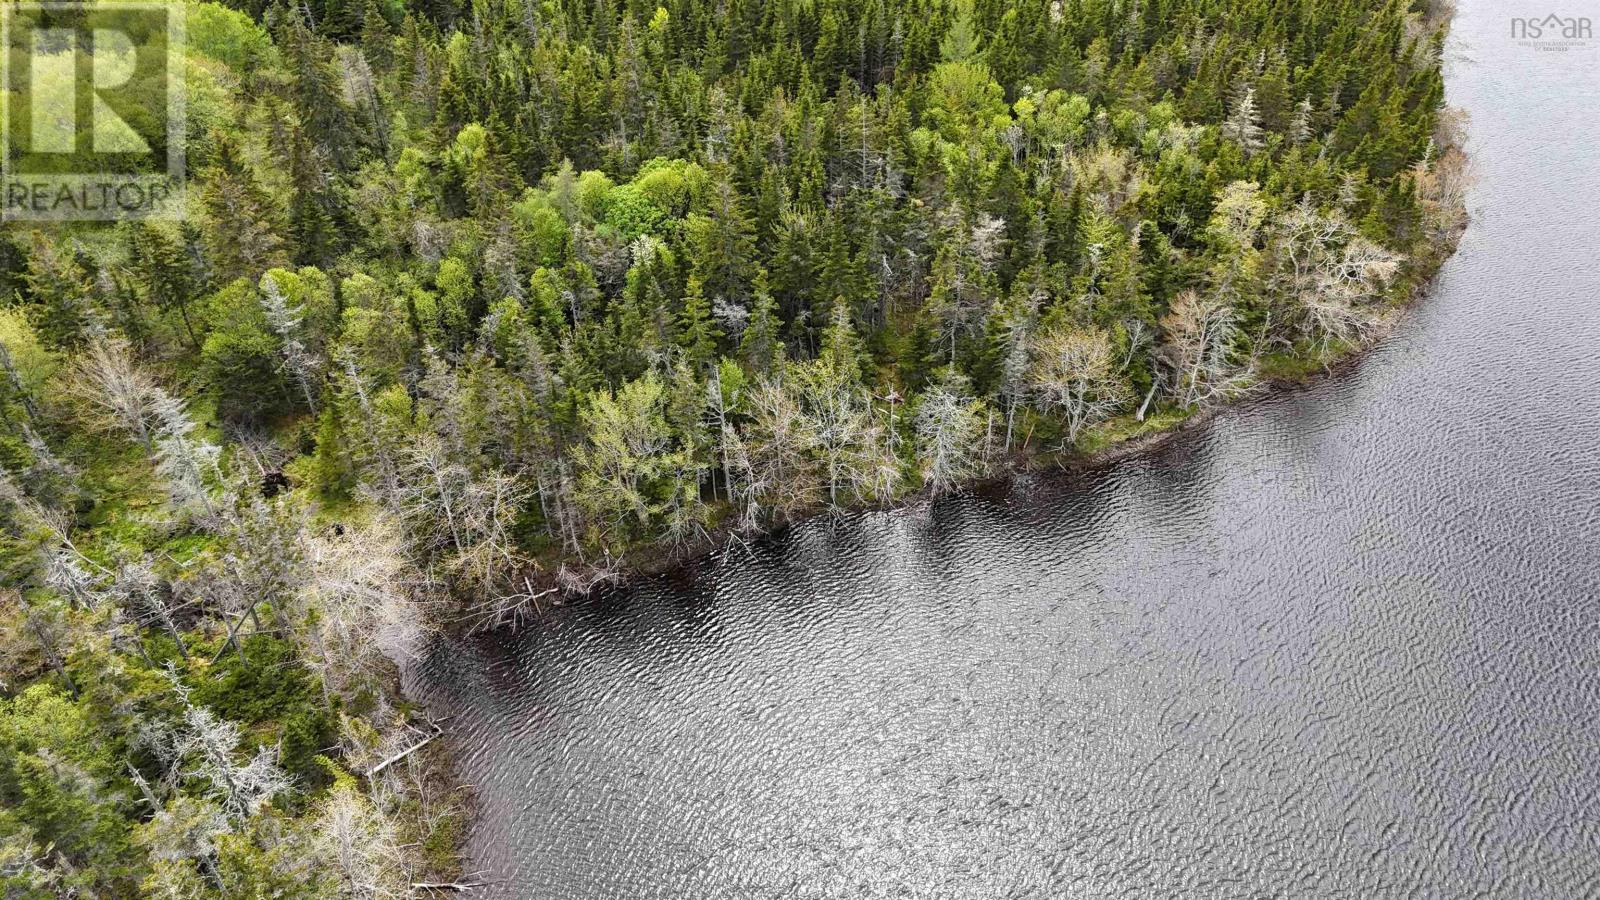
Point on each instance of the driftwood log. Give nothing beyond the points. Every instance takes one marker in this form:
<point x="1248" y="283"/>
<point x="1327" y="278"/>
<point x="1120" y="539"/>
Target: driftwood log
<point x="437" y="730"/>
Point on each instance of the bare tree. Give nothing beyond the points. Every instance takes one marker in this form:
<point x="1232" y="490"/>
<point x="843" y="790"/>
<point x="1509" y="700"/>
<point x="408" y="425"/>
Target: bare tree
<point x="1347" y="283"/>
<point x="25" y="866"/>
<point x="949" y="424"/>
<point x="779" y="442"/>
<point x="721" y="399"/>
<point x="360" y="91"/>
<point x="432" y="489"/>
<point x="875" y="472"/>
<point x="1300" y="127"/>
<point x="1075" y="373"/>
<point x="187" y="461"/>
<point x="457" y="516"/>
<point x="1108" y="174"/>
<point x="1201" y="333"/>
<point x="1442" y="178"/>
<point x="116" y="391"/>
<point x="357" y="843"/>
<point x="366" y="617"/>
<point x="1017" y="328"/>
<point x="493" y="501"/>
<point x="185" y="829"/>
<point x="837" y="416"/>
<point x="1243" y="125"/>
<point x="126" y="397"/>
<point x="745" y="488"/>
<point x="1302" y="238"/>
<point x="376" y="444"/>
<point x="963" y="283"/>
<point x="67" y="575"/>
<point x="66" y="569"/>
<point x="31" y="628"/>
<point x="1331" y="274"/>
<point x="146" y="598"/>
<point x="303" y="365"/>
<point x="205" y="747"/>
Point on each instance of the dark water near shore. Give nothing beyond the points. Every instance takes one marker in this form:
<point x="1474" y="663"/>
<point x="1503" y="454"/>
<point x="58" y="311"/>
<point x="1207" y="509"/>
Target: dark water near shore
<point x="1341" y="642"/>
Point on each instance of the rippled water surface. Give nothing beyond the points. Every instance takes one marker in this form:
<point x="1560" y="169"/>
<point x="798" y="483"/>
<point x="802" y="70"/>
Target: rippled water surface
<point x="1341" y="642"/>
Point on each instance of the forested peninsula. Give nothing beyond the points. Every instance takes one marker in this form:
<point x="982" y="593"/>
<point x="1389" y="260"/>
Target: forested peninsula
<point x="475" y="302"/>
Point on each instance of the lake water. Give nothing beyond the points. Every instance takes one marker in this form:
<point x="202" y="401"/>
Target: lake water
<point x="1340" y="642"/>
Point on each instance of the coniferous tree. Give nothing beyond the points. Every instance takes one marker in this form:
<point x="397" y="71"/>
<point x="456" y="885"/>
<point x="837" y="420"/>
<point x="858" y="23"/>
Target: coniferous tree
<point x="242" y="234"/>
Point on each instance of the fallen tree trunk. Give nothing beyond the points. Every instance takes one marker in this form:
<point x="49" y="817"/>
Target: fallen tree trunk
<point x="372" y="772"/>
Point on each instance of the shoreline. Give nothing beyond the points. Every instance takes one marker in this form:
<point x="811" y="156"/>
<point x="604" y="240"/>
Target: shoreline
<point x="448" y="355"/>
<point x="441" y="760"/>
<point x="653" y="560"/>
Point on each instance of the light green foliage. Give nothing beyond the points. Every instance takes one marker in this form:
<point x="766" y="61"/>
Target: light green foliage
<point x="960" y="42"/>
<point x="497" y="288"/>
<point x="964" y="101"/>
<point x="1054" y="118"/>
<point x="240" y="359"/>
<point x="456" y="297"/>
<point x="31" y="362"/>
<point x="594" y="195"/>
<point x="309" y="293"/>
<point x="60" y="788"/>
<point x="632" y="212"/>
<point x="541" y="227"/>
<point x="227" y="36"/>
<point x="672" y="184"/>
<point x="632" y="471"/>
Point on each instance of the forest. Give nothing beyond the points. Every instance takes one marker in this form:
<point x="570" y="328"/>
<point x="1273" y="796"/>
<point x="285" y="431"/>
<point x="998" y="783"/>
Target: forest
<point x="473" y="304"/>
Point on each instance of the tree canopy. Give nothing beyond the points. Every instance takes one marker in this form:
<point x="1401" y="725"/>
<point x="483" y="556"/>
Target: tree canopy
<point x="470" y="300"/>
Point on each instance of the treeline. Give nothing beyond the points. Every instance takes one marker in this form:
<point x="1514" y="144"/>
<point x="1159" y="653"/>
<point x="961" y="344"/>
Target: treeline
<point x="468" y="293"/>
<point x="607" y="274"/>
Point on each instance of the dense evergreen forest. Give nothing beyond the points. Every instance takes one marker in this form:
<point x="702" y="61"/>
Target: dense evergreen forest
<point x="475" y="301"/>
